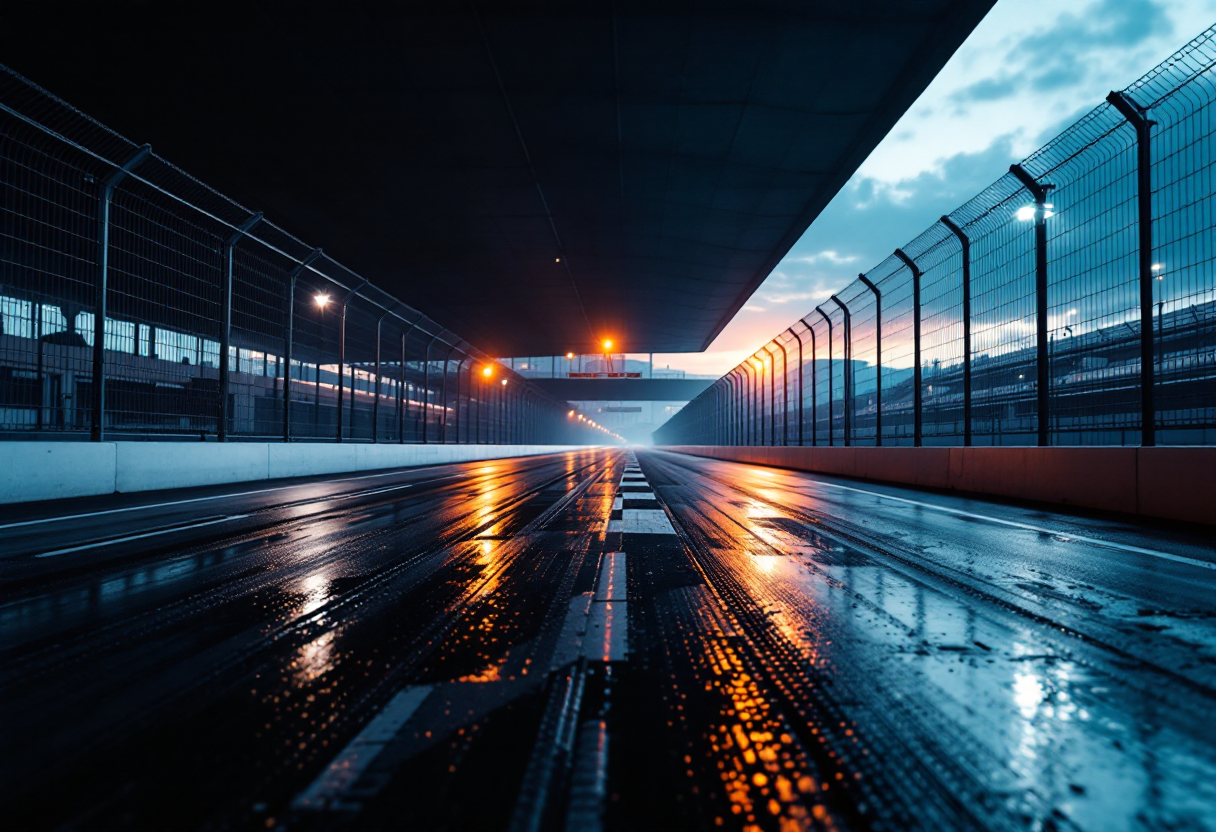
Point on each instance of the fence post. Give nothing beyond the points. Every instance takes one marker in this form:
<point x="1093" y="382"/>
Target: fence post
<point x="1134" y="114"/>
<point x="443" y="396"/>
<point x="725" y="431"/>
<point x="785" y="396"/>
<point x="342" y="356"/>
<point x="917" y="393"/>
<point x="831" y="394"/>
<point x="965" y="244"/>
<point x="814" y="385"/>
<point x="772" y="397"/>
<point x="847" y="374"/>
<point x="745" y="410"/>
<point x="97" y="430"/>
<point x="798" y="338"/>
<point x="756" y="419"/>
<point x="877" y="358"/>
<point x="426" y="388"/>
<point x="1042" y="356"/>
<point x="289" y="339"/>
<point x="459" y="387"/>
<point x="221" y="428"/>
<point x="376" y="398"/>
<point x="715" y="420"/>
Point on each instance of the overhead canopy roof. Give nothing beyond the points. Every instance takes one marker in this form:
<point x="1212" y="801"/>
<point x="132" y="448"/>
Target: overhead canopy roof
<point x="536" y="176"/>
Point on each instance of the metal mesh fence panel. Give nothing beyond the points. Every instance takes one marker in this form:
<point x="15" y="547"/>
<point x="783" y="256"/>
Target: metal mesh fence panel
<point x="48" y="247"/>
<point x="1073" y="301"/>
<point x="137" y="301"/>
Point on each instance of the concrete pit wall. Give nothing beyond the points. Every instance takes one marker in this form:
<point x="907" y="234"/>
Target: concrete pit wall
<point x="53" y="470"/>
<point x="1169" y="483"/>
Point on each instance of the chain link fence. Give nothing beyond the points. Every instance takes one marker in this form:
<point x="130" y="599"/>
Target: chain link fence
<point x="1072" y="302"/>
<point x="135" y="301"/>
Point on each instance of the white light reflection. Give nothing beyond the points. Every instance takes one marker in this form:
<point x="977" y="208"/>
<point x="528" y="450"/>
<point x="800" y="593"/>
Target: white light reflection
<point x="315" y="589"/>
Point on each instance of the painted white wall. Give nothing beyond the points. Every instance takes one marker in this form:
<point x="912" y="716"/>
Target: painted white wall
<point x="32" y="471"/>
<point x="53" y="470"/>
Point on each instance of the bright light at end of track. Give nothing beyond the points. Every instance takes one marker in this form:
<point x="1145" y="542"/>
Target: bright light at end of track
<point x="488" y="372"/>
<point x="607" y="343"/>
<point x="322" y="300"/>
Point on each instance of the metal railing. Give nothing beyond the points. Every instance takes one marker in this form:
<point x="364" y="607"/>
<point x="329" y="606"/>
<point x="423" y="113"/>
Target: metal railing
<point x="125" y="282"/>
<point x="1072" y="302"/>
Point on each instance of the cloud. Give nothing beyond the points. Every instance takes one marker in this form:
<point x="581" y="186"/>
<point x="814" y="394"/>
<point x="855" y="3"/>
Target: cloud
<point x="830" y="256"/>
<point x="987" y="89"/>
<point x="1061" y="55"/>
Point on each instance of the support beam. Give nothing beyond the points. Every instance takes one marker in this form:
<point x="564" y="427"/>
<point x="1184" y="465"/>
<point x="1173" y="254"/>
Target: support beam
<point x="831" y="394"/>
<point x="342" y="355"/>
<point x="1042" y="353"/>
<point x="877" y="358"/>
<point x="814" y="385"/>
<point x="847" y="380"/>
<point x="289" y="338"/>
<point x="223" y="416"/>
<point x="772" y="396"/>
<point x="426" y="388"/>
<point x="100" y="306"/>
<point x="443" y="396"/>
<point x="1134" y="114"/>
<point x="918" y="404"/>
<point x="798" y="338"/>
<point x="965" y="243"/>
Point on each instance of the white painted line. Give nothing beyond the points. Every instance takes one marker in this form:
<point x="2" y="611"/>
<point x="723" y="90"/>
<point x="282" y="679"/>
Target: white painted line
<point x="611" y="586"/>
<point x="98" y="544"/>
<point x="570" y="642"/>
<point x="638" y="495"/>
<point x="1203" y="564"/>
<point x="339" y="776"/>
<point x="225" y="496"/>
<point x="616" y="504"/>
<point x="643" y="521"/>
<point x="607" y="638"/>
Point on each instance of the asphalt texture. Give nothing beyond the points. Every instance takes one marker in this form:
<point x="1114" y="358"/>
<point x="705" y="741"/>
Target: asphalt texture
<point x="601" y="640"/>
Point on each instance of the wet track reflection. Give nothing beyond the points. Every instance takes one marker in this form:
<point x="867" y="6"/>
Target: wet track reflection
<point x="602" y="640"/>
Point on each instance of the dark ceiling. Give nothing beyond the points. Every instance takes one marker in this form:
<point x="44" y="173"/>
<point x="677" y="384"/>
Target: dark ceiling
<point x="536" y="176"/>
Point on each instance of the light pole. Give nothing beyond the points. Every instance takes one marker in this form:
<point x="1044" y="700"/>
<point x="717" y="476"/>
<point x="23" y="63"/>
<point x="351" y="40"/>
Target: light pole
<point x="502" y="413"/>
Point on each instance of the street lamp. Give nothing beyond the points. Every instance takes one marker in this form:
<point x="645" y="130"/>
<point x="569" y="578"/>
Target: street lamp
<point x="322" y="299"/>
<point x="1026" y="212"/>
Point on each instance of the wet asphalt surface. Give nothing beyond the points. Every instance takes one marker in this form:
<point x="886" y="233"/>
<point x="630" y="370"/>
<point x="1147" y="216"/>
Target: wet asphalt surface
<point x="600" y="640"/>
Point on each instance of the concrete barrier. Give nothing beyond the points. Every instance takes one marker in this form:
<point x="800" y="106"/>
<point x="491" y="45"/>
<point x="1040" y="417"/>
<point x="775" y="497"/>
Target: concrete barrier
<point x="51" y="470"/>
<point x="310" y="459"/>
<point x="32" y="471"/>
<point x="149" y="466"/>
<point x="1168" y="483"/>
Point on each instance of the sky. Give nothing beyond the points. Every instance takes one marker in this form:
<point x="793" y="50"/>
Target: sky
<point x="1029" y="70"/>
